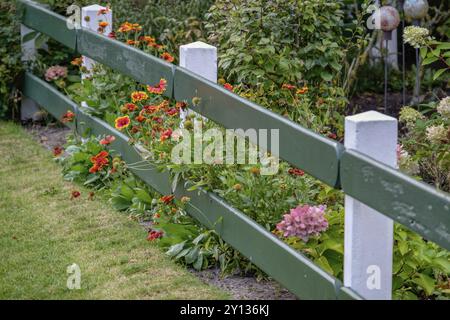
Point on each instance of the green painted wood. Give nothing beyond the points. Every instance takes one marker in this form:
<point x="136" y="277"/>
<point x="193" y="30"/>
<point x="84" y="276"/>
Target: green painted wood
<point x="37" y="17"/>
<point x="412" y="203"/>
<point x="301" y="147"/>
<point x="56" y="103"/>
<point x="345" y="293"/>
<point x="88" y="125"/>
<point x="128" y="60"/>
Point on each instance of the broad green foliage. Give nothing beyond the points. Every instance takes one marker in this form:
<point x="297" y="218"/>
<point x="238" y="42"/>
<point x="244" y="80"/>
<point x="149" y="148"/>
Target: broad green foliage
<point x="277" y="41"/>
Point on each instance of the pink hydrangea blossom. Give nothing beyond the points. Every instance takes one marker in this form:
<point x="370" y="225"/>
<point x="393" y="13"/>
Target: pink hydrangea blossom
<point x="304" y="222"/>
<point x="55" y="72"/>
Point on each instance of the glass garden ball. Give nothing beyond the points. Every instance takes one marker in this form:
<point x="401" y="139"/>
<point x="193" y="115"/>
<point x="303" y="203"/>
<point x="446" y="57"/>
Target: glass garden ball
<point x="415" y="9"/>
<point x="387" y="18"/>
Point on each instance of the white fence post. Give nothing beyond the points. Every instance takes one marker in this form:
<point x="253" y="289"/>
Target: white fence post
<point x="28" y="107"/>
<point x="200" y="58"/>
<point x="91" y="16"/>
<point x="368" y="233"/>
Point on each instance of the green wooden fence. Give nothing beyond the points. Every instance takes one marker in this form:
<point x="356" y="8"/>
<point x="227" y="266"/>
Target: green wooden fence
<point x="415" y="205"/>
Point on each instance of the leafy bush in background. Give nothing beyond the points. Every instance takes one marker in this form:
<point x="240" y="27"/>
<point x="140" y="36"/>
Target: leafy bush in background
<point x="10" y="63"/>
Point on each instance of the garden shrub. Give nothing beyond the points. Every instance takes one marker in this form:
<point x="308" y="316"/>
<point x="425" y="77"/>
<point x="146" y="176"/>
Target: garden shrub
<point x="10" y="61"/>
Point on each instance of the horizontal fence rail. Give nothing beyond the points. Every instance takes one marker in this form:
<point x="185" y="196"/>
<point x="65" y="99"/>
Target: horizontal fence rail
<point x="297" y="273"/>
<point x="126" y="59"/>
<point x="414" y="204"/>
<point x="317" y="155"/>
<point x="46" y="21"/>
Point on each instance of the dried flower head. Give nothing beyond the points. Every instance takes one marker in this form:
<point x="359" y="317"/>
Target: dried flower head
<point x="444" y="107"/>
<point x="55" y="72"/>
<point x="409" y="116"/>
<point x="416" y="36"/>
<point x="437" y="133"/>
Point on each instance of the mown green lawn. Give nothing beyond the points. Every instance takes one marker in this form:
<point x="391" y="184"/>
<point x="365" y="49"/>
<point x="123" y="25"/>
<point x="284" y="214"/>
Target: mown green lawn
<point x="43" y="231"/>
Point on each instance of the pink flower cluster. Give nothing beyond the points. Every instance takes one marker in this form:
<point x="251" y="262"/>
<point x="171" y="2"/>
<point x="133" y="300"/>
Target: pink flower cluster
<point x="55" y="73"/>
<point x="304" y="222"/>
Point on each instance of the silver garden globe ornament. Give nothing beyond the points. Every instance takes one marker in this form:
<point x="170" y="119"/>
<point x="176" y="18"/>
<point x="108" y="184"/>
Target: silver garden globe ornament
<point x="415" y="9"/>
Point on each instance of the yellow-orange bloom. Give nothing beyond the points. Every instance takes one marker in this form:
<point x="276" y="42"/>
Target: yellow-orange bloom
<point x="125" y="27"/>
<point x="302" y="90"/>
<point x="77" y="61"/>
<point x="122" y="122"/>
<point x="137" y="96"/>
<point x="167" y="56"/>
<point x="103" y="24"/>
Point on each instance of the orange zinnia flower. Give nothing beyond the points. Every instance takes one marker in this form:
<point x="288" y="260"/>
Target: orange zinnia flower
<point x="99" y="161"/>
<point x="103" y="24"/>
<point x="168" y="57"/>
<point x="302" y="90"/>
<point x="125" y="27"/>
<point x="139" y="96"/>
<point x="122" y="122"/>
<point x="77" y="61"/>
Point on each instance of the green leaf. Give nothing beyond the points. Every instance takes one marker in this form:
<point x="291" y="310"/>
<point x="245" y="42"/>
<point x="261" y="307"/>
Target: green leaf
<point x="29" y="36"/>
<point x="120" y="203"/>
<point x="423" y="52"/>
<point x="192" y="255"/>
<point x="429" y="60"/>
<point x="443" y="263"/>
<point x="175" y="249"/>
<point x="439" y="73"/>
<point x="323" y="263"/>
<point x="143" y="196"/>
<point x="426" y="282"/>
<point x="326" y="76"/>
<point x="199" y="263"/>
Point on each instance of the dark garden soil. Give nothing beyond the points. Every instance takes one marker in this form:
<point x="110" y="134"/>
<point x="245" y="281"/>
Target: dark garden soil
<point x="49" y="136"/>
<point x="375" y="101"/>
<point x="239" y="287"/>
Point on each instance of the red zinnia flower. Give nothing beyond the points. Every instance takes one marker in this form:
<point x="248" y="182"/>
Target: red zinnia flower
<point x="167" y="199"/>
<point x="172" y="112"/>
<point x="57" y="151"/>
<point x="68" y="117"/>
<point x="107" y="140"/>
<point x="131" y="106"/>
<point x="75" y="194"/>
<point x="112" y="35"/>
<point x="153" y="235"/>
<point x="166" y="134"/>
<point x="167" y="56"/>
<point x="296" y="172"/>
<point x="150" y="109"/>
<point x="140" y="118"/>
<point x="160" y="88"/>
<point x="288" y="86"/>
<point x="122" y="122"/>
<point x="228" y="86"/>
<point x="332" y="135"/>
